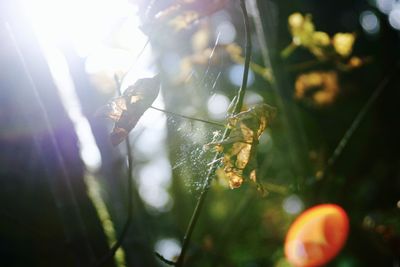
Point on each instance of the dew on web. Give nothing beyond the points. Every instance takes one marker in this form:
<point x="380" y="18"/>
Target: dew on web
<point x="191" y="157"/>
<point x="192" y="166"/>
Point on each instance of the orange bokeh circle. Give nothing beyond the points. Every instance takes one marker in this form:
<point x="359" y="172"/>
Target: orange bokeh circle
<point x="316" y="236"/>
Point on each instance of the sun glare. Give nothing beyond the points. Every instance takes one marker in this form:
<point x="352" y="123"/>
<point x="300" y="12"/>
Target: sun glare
<point x="105" y="32"/>
<point x="85" y="23"/>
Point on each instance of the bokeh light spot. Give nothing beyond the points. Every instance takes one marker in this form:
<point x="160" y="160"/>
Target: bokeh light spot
<point x="369" y="22"/>
<point x="385" y="6"/>
<point x="170" y="63"/>
<point x="226" y="32"/>
<point x="252" y="98"/>
<point x="154" y="179"/>
<point x="168" y="247"/>
<point x="292" y="204"/>
<point x="217" y="106"/>
<point x="236" y="75"/>
<point x="394" y="18"/>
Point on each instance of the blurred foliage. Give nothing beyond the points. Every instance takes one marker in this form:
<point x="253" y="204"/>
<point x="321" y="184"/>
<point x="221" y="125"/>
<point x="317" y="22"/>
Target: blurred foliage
<point x="311" y="60"/>
<point x="321" y="89"/>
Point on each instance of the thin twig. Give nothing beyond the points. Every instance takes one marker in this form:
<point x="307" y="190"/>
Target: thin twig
<point x="213" y="167"/>
<point x="121" y="80"/>
<point x="187" y="117"/>
<point x="110" y="254"/>
<point x="158" y="255"/>
<point x="355" y="124"/>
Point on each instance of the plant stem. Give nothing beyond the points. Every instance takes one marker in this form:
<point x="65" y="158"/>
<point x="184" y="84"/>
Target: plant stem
<point x="354" y="125"/>
<point x="159" y="256"/>
<point x="288" y="50"/>
<point x="128" y="221"/>
<point x="242" y="89"/>
<point x="214" y="165"/>
<point x="199" y="205"/>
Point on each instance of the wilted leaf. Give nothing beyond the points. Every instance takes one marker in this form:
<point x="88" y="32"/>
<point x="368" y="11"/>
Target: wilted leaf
<point x="127" y="109"/>
<point x="239" y="149"/>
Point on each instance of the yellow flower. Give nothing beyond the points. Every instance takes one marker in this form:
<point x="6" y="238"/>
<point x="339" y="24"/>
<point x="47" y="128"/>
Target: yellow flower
<point x="319" y="87"/>
<point x="296" y="20"/>
<point x="318" y="43"/>
<point x="321" y="39"/>
<point x="343" y="43"/>
<point x="301" y="28"/>
<point x="355" y="62"/>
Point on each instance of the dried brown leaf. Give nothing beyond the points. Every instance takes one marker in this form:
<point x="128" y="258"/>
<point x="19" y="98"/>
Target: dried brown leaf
<point x="127" y="109"/>
<point x="239" y="149"/>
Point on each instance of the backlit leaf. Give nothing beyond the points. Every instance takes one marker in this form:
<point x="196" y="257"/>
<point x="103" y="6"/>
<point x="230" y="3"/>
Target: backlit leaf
<point x="239" y="149"/>
<point x="127" y="109"/>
